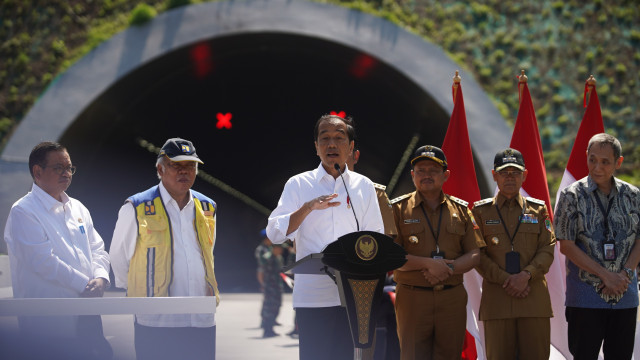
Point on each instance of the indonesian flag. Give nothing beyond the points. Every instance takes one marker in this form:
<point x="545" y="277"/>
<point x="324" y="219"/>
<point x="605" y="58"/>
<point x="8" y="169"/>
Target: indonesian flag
<point x="526" y="139"/>
<point x="463" y="184"/>
<point x="576" y="169"/>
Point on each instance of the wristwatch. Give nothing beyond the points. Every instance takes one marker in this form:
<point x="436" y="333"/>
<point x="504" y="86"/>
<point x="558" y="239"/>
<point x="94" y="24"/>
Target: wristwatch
<point x="629" y="272"/>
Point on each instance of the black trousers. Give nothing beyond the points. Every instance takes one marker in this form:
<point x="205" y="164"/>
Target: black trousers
<point x="324" y="333"/>
<point x="170" y="343"/>
<point x="589" y="328"/>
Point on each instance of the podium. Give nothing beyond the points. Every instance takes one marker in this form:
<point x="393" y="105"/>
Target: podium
<point x="358" y="263"/>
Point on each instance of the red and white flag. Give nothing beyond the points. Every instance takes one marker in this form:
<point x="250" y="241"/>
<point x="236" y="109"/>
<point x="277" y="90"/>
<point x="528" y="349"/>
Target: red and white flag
<point x="463" y="184"/>
<point x="526" y="139"/>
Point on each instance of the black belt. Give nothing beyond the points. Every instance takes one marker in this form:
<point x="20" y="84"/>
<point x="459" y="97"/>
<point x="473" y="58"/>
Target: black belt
<point x="429" y="288"/>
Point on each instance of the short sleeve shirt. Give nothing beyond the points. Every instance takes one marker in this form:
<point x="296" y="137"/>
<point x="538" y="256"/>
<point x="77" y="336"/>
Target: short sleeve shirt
<point x="579" y="218"/>
<point x="459" y="233"/>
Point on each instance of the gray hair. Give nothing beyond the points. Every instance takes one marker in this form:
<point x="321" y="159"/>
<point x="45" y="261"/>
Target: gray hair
<point x="162" y="161"/>
<point x="603" y="139"/>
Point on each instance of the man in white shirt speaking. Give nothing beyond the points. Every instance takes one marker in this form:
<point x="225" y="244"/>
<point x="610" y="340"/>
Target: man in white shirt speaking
<point x="163" y="246"/>
<point x="55" y="252"/>
<point x="314" y="210"/>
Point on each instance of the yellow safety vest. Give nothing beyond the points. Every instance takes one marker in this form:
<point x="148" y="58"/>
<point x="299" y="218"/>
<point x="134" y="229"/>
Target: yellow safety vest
<point x="151" y="267"/>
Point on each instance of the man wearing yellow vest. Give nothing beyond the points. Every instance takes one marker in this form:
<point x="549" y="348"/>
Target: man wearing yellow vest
<point x="163" y="246"/>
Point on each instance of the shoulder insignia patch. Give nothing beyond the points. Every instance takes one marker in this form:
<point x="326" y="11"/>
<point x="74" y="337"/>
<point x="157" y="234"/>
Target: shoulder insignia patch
<point x="483" y="202"/>
<point x="535" y="201"/>
<point x="400" y="198"/>
<point x="457" y="200"/>
<point x="379" y="186"/>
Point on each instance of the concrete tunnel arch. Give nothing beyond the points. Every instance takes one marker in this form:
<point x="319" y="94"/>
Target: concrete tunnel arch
<point x="277" y="65"/>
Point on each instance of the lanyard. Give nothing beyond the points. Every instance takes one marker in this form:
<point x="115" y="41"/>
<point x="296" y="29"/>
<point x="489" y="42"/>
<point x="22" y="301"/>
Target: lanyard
<point x="436" y="235"/>
<point x="605" y="213"/>
<point x="517" y="226"/>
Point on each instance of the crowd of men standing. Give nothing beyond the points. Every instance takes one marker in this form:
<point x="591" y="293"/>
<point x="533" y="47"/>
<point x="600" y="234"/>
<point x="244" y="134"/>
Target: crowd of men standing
<point x="164" y="239"/>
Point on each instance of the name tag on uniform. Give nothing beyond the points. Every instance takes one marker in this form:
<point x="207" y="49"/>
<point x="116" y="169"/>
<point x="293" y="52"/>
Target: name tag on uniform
<point x="492" y="222"/>
<point x="82" y="229"/>
<point x="529" y="219"/>
<point x="411" y="221"/>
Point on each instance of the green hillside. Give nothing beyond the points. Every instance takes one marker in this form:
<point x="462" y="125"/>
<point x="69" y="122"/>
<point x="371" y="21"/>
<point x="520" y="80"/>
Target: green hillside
<point x="558" y="43"/>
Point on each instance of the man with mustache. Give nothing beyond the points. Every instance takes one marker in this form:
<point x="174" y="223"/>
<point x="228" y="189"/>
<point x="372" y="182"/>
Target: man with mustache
<point x="314" y="210"/>
<point x="442" y="240"/>
<point x="515" y="306"/>
<point x="163" y="246"/>
<point x="55" y="252"/>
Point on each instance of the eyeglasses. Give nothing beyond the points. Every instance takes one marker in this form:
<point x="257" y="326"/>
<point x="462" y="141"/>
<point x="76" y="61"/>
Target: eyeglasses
<point x="62" y="169"/>
<point x="505" y="173"/>
<point x="182" y="166"/>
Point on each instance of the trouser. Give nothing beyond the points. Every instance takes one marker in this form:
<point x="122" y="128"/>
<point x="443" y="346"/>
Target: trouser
<point x="431" y="323"/>
<point x="519" y="338"/>
<point x="270" y="306"/>
<point x="170" y="343"/>
<point x="324" y="333"/>
<point x="613" y="329"/>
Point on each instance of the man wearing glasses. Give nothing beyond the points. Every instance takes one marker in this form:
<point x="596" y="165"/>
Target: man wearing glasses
<point x="515" y="305"/>
<point x="163" y="246"/>
<point x="55" y="252"/>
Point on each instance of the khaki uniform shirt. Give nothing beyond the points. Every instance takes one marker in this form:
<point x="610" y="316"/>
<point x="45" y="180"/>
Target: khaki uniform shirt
<point x="459" y="233"/>
<point x="386" y="210"/>
<point x="534" y="241"/>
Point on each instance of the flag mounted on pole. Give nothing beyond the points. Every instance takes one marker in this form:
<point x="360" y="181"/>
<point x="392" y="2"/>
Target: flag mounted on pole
<point x="463" y="184"/>
<point x="457" y="147"/>
<point x="591" y="124"/>
<point x="526" y="139"/>
<point x="576" y="169"/>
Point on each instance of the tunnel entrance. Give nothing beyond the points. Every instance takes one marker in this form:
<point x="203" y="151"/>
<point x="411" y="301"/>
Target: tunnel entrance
<point x="274" y="87"/>
<point x="270" y="70"/>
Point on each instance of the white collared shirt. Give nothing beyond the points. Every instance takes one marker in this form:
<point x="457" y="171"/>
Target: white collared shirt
<point x="54" y="249"/>
<point x="322" y="227"/>
<point x="188" y="269"/>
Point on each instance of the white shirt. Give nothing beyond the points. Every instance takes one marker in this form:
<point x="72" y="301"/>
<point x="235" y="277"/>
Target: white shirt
<point x="188" y="269"/>
<point x="322" y="227"/>
<point x="54" y="249"/>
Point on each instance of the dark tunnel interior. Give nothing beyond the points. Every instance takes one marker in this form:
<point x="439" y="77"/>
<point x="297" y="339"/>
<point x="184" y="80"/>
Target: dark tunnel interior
<point x="274" y="86"/>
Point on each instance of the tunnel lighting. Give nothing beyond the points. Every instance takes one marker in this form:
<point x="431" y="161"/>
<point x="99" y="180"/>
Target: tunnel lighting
<point x="362" y="65"/>
<point x="201" y="60"/>
<point x="224" y="120"/>
<point x="340" y="113"/>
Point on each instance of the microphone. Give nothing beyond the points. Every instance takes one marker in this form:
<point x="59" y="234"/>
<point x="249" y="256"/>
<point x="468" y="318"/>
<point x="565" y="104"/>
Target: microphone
<point x="337" y="167"/>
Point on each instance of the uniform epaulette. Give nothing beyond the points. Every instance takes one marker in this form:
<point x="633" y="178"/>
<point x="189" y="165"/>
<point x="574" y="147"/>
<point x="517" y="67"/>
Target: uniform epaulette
<point x="379" y="186"/>
<point x="482" y="202"/>
<point x="400" y="198"/>
<point x="459" y="201"/>
<point x="535" y="201"/>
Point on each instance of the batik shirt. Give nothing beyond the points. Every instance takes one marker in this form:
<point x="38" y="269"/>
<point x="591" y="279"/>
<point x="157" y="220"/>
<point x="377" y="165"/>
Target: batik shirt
<point x="579" y="218"/>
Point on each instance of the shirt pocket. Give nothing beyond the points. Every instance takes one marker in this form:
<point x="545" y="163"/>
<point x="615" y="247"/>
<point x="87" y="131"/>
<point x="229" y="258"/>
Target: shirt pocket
<point x="153" y="232"/>
<point x="408" y="231"/>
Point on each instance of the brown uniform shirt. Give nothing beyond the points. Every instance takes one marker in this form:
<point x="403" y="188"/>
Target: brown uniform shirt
<point x="386" y="210"/>
<point x="459" y="233"/>
<point x="534" y="241"/>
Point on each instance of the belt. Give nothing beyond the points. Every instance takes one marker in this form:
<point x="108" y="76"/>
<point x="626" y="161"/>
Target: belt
<point x="428" y="288"/>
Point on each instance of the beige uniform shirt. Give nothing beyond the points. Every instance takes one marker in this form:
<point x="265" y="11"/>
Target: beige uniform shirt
<point x="534" y="241"/>
<point x="459" y="233"/>
<point x="386" y="210"/>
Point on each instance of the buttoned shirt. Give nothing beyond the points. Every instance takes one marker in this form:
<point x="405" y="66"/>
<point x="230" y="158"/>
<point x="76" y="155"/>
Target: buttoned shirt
<point x="54" y="250"/>
<point x="188" y="269"/>
<point x="322" y="227"/>
<point x="578" y="218"/>
<point x="459" y="234"/>
<point x="534" y="241"/>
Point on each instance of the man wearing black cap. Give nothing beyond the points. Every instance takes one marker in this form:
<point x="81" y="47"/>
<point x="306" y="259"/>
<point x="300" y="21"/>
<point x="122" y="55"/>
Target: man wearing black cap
<point x="163" y="246"/>
<point x="442" y="241"/>
<point x="515" y="305"/>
